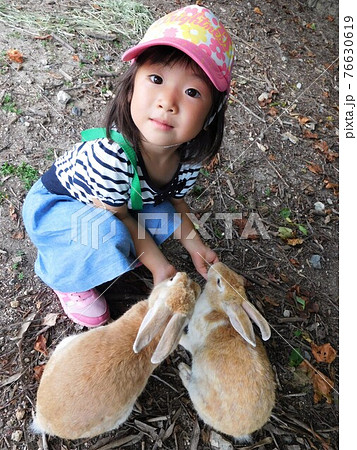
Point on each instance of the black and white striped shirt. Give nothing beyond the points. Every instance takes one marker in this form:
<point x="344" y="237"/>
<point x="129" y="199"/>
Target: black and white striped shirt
<point x="100" y="169"/>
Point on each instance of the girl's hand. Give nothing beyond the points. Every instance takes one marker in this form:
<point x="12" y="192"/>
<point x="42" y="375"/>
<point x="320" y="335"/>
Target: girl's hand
<point x="203" y="258"/>
<point x="162" y="273"/>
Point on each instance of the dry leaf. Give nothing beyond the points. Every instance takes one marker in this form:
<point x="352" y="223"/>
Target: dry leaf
<point x="303" y="120"/>
<point x="323" y="353"/>
<point x="15" y="56"/>
<point x="50" y="319"/>
<point x="294" y="242"/>
<point x="257" y="10"/>
<point x="309" y="135"/>
<point x="40" y="344"/>
<point x="333" y="186"/>
<point x="215" y="161"/>
<point x="38" y="371"/>
<point x="245" y="229"/>
<point x="270" y="301"/>
<point x="315" y="168"/>
<point x="322" y="384"/>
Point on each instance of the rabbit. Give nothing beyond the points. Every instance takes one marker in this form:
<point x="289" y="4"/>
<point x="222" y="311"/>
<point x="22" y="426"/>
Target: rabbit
<point x="92" y="380"/>
<point x="231" y="382"/>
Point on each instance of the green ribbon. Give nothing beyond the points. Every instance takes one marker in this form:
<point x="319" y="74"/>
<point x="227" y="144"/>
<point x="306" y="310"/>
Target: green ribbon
<point x="98" y="133"/>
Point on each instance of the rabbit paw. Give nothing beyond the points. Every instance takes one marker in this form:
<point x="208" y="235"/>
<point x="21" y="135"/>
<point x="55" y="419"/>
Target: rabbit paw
<point x="185" y="374"/>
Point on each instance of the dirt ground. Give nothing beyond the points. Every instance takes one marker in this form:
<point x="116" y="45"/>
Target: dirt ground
<point x="277" y="171"/>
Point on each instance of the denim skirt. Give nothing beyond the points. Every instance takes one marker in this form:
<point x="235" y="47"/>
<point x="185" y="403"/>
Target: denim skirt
<point x="80" y="246"/>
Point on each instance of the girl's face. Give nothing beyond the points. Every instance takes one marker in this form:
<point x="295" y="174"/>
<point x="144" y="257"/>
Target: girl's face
<point x="169" y="104"/>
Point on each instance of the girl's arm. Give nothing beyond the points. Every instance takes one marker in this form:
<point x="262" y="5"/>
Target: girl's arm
<point x="148" y="252"/>
<point x="201" y="255"/>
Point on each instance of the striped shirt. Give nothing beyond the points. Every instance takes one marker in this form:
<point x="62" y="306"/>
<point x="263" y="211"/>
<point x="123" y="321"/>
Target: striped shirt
<point x="100" y="169"/>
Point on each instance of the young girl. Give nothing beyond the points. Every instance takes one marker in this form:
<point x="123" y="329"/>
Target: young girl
<point x="84" y="215"/>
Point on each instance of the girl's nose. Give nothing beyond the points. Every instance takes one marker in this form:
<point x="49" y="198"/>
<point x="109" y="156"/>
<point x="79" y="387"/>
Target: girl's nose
<point x="168" y="101"/>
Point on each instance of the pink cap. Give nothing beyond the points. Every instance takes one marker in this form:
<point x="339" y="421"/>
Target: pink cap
<point x="197" y="32"/>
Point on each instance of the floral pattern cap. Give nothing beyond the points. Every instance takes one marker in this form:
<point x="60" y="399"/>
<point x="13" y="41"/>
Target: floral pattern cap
<point x="196" y="31"/>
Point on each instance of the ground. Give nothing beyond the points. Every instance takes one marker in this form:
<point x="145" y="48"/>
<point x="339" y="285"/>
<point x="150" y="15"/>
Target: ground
<point x="277" y="171"/>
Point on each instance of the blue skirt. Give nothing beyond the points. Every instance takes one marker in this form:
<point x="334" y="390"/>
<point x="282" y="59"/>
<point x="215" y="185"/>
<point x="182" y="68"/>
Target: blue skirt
<point x="81" y="246"/>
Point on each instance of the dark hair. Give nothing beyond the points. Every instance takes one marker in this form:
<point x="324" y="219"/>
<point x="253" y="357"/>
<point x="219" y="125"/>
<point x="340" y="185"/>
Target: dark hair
<point x="208" y="141"/>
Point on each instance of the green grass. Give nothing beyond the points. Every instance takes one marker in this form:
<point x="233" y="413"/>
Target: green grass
<point x="126" y="17"/>
<point x="27" y="174"/>
<point x="9" y="105"/>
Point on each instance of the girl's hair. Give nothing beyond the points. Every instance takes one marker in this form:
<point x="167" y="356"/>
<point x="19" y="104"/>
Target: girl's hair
<point x="206" y="144"/>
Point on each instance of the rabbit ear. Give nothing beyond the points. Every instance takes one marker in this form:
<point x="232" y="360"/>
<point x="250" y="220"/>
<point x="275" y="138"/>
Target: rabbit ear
<point x="170" y="338"/>
<point x="152" y="323"/>
<point x="240" y="321"/>
<point x="255" y="315"/>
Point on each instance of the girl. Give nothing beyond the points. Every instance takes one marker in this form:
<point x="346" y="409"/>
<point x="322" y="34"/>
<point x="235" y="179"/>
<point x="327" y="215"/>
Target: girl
<point x="114" y="198"/>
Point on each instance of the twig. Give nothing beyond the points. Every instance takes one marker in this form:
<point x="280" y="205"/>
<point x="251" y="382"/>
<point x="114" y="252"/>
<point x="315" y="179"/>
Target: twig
<point x="235" y="100"/>
<point x="64" y="43"/>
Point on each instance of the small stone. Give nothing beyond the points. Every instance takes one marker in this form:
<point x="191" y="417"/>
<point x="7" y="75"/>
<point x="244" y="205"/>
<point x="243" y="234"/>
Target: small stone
<point x="14" y="304"/>
<point x="17" y="435"/>
<point x="298" y="85"/>
<point x="315" y="261"/>
<point x="319" y="207"/>
<point x="76" y="111"/>
<point x="217" y="442"/>
<point x="20" y="413"/>
<point x="287" y="313"/>
<point x="63" y="97"/>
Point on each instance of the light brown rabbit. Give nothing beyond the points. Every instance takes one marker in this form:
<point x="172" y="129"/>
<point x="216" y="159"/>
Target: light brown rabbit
<point x="231" y="382"/>
<point x="92" y="380"/>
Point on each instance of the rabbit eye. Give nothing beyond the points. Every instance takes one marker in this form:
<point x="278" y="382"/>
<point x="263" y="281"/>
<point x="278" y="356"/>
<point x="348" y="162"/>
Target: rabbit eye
<point x="218" y="282"/>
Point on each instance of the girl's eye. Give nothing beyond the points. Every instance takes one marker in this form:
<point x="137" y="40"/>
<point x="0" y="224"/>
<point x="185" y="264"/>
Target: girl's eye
<point x="193" y="92"/>
<point x="156" y="79"/>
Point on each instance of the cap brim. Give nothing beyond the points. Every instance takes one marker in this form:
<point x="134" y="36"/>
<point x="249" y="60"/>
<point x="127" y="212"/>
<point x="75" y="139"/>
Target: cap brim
<point x="197" y="54"/>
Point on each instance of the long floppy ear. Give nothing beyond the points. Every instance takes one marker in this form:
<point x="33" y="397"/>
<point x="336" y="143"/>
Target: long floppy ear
<point x="240" y="321"/>
<point x="255" y="315"/>
<point x="170" y="338"/>
<point x="154" y="320"/>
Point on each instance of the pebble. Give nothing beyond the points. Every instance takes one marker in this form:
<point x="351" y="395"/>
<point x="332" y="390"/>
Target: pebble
<point x="63" y="97"/>
<point x="76" y="111"/>
<point x="14" y="304"/>
<point x="287" y="313"/>
<point x="319" y="207"/>
<point x="17" y="435"/>
<point x="217" y="442"/>
<point x="20" y="413"/>
<point x="315" y="261"/>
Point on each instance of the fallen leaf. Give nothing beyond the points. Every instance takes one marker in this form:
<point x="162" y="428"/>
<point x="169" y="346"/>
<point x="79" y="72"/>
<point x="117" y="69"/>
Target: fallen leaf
<point x="291" y="137"/>
<point x="269" y="300"/>
<point x="315" y="168"/>
<point x="18" y="235"/>
<point x="307" y="134"/>
<point x="38" y="371"/>
<point x="303" y="120"/>
<point x="322" y="384"/>
<point x="330" y="18"/>
<point x="43" y="38"/>
<point x="244" y="229"/>
<point x="40" y="344"/>
<point x="323" y="353"/>
<point x="50" y="319"/>
<point x="285" y="233"/>
<point x="211" y="166"/>
<point x="294" y="262"/>
<point x="257" y="10"/>
<point x="333" y="186"/>
<point x="15" y="55"/>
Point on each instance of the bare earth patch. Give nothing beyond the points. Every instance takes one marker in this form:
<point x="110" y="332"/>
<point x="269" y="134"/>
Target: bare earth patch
<point x="268" y="204"/>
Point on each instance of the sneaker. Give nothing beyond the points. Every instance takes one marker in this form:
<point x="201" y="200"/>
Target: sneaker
<point x="88" y="308"/>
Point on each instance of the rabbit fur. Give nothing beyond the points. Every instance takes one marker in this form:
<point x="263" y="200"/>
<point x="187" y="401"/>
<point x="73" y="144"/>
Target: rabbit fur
<point x="231" y="382"/>
<point x="92" y="380"/>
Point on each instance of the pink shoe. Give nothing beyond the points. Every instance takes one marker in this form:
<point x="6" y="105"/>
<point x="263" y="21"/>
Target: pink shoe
<point x="87" y="308"/>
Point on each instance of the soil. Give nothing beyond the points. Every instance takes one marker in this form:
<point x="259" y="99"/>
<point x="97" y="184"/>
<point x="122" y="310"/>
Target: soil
<point x="277" y="171"/>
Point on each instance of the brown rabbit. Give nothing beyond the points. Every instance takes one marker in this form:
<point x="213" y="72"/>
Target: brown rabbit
<point x="231" y="382"/>
<point x="92" y="380"/>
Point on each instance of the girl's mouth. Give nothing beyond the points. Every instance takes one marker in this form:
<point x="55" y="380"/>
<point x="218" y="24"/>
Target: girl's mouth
<point x="161" y="124"/>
